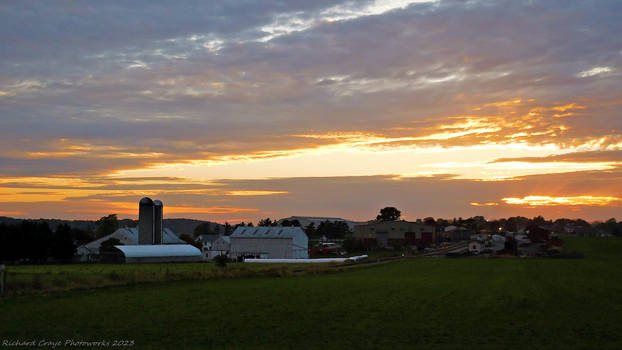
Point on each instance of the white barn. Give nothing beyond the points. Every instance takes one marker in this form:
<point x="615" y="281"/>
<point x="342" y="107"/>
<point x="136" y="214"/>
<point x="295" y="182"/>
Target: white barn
<point x="270" y="242"/>
<point x="127" y="236"/>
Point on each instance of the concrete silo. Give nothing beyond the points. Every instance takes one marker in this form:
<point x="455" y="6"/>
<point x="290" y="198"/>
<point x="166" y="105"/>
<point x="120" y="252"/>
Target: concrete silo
<point x="146" y="227"/>
<point x="157" y="221"/>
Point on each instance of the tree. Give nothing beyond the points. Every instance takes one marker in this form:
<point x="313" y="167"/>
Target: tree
<point x="107" y="225"/>
<point x="37" y="238"/>
<point x="186" y="238"/>
<point x="228" y="229"/>
<point x="310" y="230"/>
<point x="221" y="260"/>
<point x="429" y="221"/>
<point x="389" y="214"/>
<point x="288" y="223"/>
<point x="265" y="222"/>
<point x="332" y="229"/>
<point x="107" y="251"/>
<point x="62" y="246"/>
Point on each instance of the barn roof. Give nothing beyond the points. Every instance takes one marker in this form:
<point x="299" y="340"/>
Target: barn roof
<point x="158" y="250"/>
<point x="267" y="232"/>
<point x="129" y="236"/>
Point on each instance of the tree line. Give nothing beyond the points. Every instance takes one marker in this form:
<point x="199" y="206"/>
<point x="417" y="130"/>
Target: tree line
<point x="36" y="242"/>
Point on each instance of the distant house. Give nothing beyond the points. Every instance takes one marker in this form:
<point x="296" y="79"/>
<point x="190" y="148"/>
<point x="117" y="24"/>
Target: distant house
<point x="270" y="242"/>
<point x="127" y="236"/>
<point x="219" y="246"/>
<point x="390" y="233"/>
<point x="206" y="241"/>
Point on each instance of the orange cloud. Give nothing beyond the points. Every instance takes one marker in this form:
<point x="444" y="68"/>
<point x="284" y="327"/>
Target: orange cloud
<point x="487" y="204"/>
<point x="537" y="200"/>
<point x="254" y="193"/>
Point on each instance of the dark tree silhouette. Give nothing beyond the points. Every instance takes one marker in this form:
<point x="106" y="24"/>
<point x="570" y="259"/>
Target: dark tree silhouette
<point x="389" y="214"/>
<point x="107" y="225"/>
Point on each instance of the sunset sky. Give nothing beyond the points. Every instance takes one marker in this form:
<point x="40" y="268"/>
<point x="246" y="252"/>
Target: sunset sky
<point x="235" y="111"/>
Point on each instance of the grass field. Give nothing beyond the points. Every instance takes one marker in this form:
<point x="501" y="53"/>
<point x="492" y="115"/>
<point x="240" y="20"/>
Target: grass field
<point x="412" y="304"/>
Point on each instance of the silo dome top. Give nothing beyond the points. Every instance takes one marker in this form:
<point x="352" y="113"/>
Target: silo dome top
<point x="157" y="202"/>
<point x="146" y="200"/>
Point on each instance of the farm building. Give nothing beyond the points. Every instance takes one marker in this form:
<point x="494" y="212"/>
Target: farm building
<point x="206" y="241"/>
<point x="388" y="233"/>
<point x="475" y="247"/>
<point x="270" y="242"/>
<point x="159" y="253"/>
<point x="219" y="246"/>
<point x="455" y="233"/>
<point x="127" y="236"/>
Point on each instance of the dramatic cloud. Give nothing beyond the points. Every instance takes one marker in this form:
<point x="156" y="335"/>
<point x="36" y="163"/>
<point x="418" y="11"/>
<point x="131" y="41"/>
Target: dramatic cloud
<point x="193" y="100"/>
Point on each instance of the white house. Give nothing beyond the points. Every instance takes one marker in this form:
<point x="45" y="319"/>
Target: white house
<point x="219" y="246"/>
<point x="270" y="242"/>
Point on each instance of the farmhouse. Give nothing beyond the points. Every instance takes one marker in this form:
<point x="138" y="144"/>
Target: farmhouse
<point x="270" y="242"/>
<point x="388" y="233"/>
<point x="219" y="246"/>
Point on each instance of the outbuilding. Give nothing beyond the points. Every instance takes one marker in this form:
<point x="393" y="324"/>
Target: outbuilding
<point x="269" y="242"/>
<point x="159" y="253"/>
<point x="476" y="247"/>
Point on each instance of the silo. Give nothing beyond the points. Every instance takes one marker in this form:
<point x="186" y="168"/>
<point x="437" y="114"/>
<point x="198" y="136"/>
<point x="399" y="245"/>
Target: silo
<point x="146" y="228"/>
<point x="157" y="222"/>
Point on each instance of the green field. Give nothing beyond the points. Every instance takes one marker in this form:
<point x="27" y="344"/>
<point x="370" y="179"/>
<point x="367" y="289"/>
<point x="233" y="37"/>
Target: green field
<point x="412" y="304"/>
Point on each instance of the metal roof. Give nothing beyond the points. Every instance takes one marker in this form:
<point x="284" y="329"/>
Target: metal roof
<point x="267" y="232"/>
<point x="158" y="250"/>
<point x="129" y="236"/>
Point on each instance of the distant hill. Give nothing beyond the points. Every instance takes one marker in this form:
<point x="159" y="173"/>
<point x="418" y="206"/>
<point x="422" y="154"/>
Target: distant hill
<point x="316" y="220"/>
<point x="86" y="225"/>
<point x="179" y="226"/>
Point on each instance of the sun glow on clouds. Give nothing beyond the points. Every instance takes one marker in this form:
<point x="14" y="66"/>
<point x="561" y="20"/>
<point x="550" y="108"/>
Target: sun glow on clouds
<point x="594" y="72"/>
<point x="536" y="200"/>
<point x="487" y="204"/>
<point x="288" y="23"/>
<point x="130" y="209"/>
<point x="254" y="193"/>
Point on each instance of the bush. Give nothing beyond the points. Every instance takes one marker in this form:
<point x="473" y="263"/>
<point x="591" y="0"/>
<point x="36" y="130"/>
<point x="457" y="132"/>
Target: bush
<point x="221" y="260"/>
<point x="114" y="276"/>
